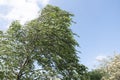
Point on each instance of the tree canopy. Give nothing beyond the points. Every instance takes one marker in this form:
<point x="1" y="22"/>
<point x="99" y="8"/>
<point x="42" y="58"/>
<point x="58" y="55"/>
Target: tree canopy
<point x="46" y="42"/>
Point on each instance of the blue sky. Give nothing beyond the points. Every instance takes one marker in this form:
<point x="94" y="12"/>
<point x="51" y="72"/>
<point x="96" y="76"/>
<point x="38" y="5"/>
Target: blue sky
<point x="98" y="24"/>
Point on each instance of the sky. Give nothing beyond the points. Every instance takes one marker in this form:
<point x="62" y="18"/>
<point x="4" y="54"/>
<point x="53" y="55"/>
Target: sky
<point x="97" y="23"/>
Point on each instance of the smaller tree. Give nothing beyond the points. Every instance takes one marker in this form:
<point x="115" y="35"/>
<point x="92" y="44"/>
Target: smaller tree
<point x="95" y="74"/>
<point x="111" y="68"/>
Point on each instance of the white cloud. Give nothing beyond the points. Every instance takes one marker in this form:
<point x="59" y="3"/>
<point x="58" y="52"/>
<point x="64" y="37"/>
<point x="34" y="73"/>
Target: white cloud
<point x="23" y="10"/>
<point x="44" y="2"/>
<point x="2" y="16"/>
<point x="2" y="2"/>
<point x="101" y="58"/>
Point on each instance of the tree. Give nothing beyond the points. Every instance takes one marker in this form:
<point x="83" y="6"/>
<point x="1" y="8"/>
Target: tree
<point x="47" y="42"/>
<point x="111" y="68"/>
<point x="95" y="74"/>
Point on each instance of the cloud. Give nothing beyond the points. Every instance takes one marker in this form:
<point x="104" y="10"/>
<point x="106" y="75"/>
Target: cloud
<point x="2" y="16"/>
<point x="23" y="10"/>
<point x="101" y="58"/>
<point x="43" y="2"/>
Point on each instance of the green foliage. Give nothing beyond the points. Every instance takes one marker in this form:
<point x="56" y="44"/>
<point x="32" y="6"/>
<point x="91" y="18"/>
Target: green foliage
<point x="46" y="40"/>
<point x="95" y="74"/>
